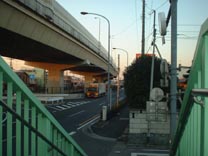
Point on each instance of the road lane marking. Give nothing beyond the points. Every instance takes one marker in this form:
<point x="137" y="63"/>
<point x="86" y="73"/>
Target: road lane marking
<point x="72" y="133"/>
<point x="61" y="107"/>
<point x="102" y="104"/>
<point x="76" y="113"/>
<point x="149" y="154"/>
<point x="66" y="106"/>
<point x="88" y="121"/>
<point x="53" y="107"/>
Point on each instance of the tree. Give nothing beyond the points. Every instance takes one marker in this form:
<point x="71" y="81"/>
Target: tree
<point x="137" y="81"/>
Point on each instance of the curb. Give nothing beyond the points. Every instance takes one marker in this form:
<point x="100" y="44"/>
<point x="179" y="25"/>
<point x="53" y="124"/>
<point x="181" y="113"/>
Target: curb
<point x="89" y="132"/>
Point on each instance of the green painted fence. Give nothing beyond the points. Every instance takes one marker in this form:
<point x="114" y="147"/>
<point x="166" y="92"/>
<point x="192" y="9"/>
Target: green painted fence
<point x="26" y="127"/>
<point x="191" y="137"/>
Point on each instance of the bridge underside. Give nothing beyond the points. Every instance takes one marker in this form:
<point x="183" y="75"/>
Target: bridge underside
<point x="32" y="38"/>
<point x="19" y="47"/>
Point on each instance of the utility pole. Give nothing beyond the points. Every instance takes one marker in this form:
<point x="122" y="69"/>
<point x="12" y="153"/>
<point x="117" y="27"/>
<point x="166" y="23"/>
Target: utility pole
<point x="118" y="81"/>
<point x="153" y="56"/>
<point x="173" y="91"/>
<point x="143" y="27"/>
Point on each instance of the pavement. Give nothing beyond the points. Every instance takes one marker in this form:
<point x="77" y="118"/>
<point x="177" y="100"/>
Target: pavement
<point x="116" y="129"/>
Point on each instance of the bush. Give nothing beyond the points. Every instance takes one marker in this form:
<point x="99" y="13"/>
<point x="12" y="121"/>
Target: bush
<point x="137" y="81"/>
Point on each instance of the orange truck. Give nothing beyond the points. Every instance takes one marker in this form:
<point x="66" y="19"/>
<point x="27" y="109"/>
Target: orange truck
<point x="96" y="90"/>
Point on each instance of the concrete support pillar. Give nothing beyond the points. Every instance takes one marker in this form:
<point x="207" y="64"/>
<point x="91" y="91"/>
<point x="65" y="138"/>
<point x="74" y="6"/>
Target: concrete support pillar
<point x="55" y="79"/>
<point x="101" y="78"/>
<point x="55" y="82"/>
<point x="88" y="77"/>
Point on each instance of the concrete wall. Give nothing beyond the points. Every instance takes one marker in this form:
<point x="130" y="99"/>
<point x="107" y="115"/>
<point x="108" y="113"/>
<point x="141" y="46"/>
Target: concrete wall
<point x="139" y="123"/>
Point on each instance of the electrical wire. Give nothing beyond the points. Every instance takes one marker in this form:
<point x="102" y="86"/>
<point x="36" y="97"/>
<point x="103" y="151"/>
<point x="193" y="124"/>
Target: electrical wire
<point x="161" y="5"/>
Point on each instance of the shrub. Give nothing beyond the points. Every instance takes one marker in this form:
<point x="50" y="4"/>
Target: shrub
<point x="137" y="81"/>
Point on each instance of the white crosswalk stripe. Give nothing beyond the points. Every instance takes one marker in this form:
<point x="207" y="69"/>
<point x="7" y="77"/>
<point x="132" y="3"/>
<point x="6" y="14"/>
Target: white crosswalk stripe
<point x="61" y="107"/>
<point x="68" y="105"/>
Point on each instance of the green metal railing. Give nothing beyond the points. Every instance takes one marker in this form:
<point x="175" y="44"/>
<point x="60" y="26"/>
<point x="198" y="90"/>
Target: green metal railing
<point x="26" y="127"/>
<point x="191" y="138"/>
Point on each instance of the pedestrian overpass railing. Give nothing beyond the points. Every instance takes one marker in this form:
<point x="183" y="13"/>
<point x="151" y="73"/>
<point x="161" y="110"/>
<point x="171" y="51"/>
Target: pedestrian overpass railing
<point x="26" y="127"/>
<point x="191" y="136"/>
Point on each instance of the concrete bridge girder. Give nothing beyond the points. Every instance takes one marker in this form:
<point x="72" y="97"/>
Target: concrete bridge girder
<point x="24" y="22"/>
<point x="91" y="76"/>
<point x="32" y="38"/>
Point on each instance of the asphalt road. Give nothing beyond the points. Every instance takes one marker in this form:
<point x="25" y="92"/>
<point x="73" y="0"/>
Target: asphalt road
<point x="77" y="116"/>
<point x="73" y="115"/>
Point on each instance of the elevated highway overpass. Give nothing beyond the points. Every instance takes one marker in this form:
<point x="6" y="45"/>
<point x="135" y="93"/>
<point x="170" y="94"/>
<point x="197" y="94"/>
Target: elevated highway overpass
<point x="45" y="35"/>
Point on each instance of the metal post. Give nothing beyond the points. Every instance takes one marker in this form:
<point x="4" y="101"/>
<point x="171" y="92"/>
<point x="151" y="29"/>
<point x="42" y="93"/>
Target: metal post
<point x="143" y="27"/>
<point x="118" y="81"/>
<point x="173" y="91"/>
<point x="153" y="56"/>
<point x="109" y="82"/>
<point x="99" y="44"/>
<point x="127" y="61"/>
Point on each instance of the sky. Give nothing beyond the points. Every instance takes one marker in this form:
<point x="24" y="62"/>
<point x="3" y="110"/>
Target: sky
<point x="125" y="18"/>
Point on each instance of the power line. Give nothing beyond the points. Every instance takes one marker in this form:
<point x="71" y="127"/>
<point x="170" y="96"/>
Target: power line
<point x="189" y="25"/>
<point x="126" y="28"/>
<point x="137" y="27"/>
<point x="161" y="5"/>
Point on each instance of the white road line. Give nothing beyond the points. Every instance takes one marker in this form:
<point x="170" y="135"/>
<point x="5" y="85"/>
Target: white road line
<point x="156" y="150"/>
<point x="102" y="104"/>
<point x="91" y="121"/>
<point x="72" y="104"/>
<point x="62" y="108"/>
<point x="72" y="133"/>
<point x="149" y="154"/>
<point x="76" y="114"/>
<point x="69" y="106"/>
<point x="66" y="106"/>
<point x="53" y="107"/>
<point x="85" y="102"/>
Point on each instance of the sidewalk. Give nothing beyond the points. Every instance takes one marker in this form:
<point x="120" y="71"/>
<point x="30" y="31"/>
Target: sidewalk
<point x="117" y="128"/>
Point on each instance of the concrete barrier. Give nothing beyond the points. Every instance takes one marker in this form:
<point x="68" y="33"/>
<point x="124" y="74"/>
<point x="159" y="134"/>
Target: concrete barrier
<point x="57" y="98"/>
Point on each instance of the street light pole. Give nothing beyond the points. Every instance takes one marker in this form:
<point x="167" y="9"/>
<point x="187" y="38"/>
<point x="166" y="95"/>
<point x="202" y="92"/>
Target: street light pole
<point x="99" y="28"/>
<point x="99" y="44"/>
<point x="126" y="54"/>
<point x="173" y="86"/>
<point x="118" y="82"/>
<point x="109" y="83"/>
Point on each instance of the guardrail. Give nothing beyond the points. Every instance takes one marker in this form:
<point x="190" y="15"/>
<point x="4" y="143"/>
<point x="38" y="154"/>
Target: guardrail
<point x="28" y="128"/>
<point x="191" y="137"/>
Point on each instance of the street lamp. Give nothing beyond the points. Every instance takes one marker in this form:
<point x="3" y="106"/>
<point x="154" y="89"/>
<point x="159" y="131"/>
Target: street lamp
<point x="109" y="83"/>
<point x="126" y="54"/>
<point x="99" y="44"/>
<point x="99" y="28"/>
